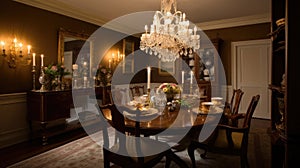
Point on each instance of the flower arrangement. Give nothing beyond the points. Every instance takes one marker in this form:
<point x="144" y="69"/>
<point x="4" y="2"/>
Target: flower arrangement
<point x="55" y="70"/>
<point x="169" y="88"/>
<point x="51" y="76"/>
<point x="103" y="74"/>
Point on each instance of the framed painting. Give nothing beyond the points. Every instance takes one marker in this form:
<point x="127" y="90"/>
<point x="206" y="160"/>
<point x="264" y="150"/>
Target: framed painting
<point x="128" y="49"/>
<point x="166" y="68"/>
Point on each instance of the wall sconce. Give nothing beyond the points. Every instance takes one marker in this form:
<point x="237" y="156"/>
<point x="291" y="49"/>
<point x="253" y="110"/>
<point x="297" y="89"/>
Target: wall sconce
<point x="115" y="60"/>
<point x="14" y="55"/>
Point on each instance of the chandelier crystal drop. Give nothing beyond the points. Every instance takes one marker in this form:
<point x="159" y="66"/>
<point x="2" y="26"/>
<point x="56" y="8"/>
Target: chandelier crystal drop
<point x="170" y="36"/>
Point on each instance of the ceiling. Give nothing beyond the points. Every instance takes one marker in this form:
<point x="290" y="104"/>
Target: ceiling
<point x="200" y="12"/>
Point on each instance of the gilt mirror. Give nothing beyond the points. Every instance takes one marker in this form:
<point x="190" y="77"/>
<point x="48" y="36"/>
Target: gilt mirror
<point x="74" y="48"/>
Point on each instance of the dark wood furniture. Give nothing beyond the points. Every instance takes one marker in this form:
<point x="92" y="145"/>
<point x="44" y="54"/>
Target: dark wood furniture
<point x="44" y="107"/>
<point x="227" y="139"/>
<point x="131" y="150"/>
<point x="232" y="108"/>
<point x="50" y="110"/>
<point x="284" y="121"/>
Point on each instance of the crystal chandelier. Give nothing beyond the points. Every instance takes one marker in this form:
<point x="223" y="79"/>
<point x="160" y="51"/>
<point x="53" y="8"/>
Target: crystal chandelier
<point x="170" y="36"/>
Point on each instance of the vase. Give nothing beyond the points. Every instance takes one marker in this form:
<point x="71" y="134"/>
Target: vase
<point x="45" y="81"/>
<point x="170" y="97"/>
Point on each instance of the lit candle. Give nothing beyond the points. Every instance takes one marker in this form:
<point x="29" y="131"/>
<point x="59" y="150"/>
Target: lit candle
<point x="3" y="44"/>
<point x="28" y="48"/>
<point x="15" y="42"/>
<point x="119" y="55"/>
<point x="149" y="76"/>
<point x="75" y="66"/>
<point x="42" y="59"/>
<point x="109" y="63"/>
<point x="182" y="77"/>
<point x="146" y="29"/>
<point x="113" y="56"/>
<point x="84" y="64"/>
<point x="33" y="59"/>
<point x="191" y="77"/>
<point x="20" y="46"/>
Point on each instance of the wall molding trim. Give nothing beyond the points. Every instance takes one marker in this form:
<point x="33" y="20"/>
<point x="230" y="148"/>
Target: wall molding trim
<point x="12" y="137"/>
<point x="234" y="22"/>
<point x="13" y="98"/>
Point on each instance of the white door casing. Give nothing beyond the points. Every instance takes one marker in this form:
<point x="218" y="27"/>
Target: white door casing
<point x="251" y="72"/>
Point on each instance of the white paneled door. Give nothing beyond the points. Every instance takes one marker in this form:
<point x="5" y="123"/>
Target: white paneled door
<point x="252" y="73"/>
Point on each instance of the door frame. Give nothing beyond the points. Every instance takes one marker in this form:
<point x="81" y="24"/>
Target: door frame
<point x="234" y="46"/>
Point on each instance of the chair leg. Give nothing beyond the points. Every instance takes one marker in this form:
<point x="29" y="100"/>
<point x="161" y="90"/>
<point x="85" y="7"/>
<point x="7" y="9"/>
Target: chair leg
<point x="168" y="162"/>
<point x="244" y="161"/>
<point x="191" y="153"/>
<point x="176" y="159"/>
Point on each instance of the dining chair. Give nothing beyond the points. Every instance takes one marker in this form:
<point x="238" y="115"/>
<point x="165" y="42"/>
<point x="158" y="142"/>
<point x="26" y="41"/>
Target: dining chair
<point x="137" y="90"/>
<point x="232" y="108"/>
<point x="228" y="139"/>
<point x="132" y="149"/>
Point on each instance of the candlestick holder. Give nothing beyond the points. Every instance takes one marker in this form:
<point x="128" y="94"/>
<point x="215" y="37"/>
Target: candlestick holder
<point x="191" y="88"/>
<point x="33" y="77"/>
<point x="148" y="96"/>
<point x="75" y="79"/>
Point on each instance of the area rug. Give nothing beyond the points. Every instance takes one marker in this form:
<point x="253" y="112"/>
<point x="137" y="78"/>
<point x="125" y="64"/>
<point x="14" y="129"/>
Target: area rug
<point x="85" y="153"/>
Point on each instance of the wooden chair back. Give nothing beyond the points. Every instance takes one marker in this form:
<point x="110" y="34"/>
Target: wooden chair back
<point x="250" y="111"/>
<point x="126" y="145"/>
<point x="137" y="90"/>
<point x="227" y="139"/>
<point x="236" y="101"/>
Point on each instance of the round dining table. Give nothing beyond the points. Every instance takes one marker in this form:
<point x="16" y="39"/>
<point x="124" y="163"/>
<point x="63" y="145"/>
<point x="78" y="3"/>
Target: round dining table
<point x="184" y="124"/>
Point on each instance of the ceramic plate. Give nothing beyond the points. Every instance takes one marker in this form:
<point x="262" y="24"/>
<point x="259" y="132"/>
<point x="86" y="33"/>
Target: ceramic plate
<point x="146" y="115"/>
<point x="213" y="110"/>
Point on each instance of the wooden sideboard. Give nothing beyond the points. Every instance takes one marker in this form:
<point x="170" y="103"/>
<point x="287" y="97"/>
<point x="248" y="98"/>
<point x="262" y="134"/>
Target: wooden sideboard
<point x="46" y="108"/>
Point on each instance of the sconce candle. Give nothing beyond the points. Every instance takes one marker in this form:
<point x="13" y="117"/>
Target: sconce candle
<point x="149" y="77"/>
<point x="109" y="63"/>
<point x="20" y="45"/>
<point x="33" y="59"/>
<point x="42" y="59"/>
<point x="28" y="48"/>
<point x="3" y="44"/>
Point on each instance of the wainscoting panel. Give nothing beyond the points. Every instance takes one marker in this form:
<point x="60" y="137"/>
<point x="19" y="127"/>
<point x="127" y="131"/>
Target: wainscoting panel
<point x="14" y="127"/>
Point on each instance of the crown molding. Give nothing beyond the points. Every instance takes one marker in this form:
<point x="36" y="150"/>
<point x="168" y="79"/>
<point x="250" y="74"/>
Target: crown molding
<point x="234" y="22"/>
<point x="57" y="7"/>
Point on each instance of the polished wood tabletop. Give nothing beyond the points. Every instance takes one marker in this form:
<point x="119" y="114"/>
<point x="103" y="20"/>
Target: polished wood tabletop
<point x="179" y="119"/>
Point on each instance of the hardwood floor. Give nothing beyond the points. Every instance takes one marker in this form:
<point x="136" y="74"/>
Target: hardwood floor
<point x="19" y="152"/>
